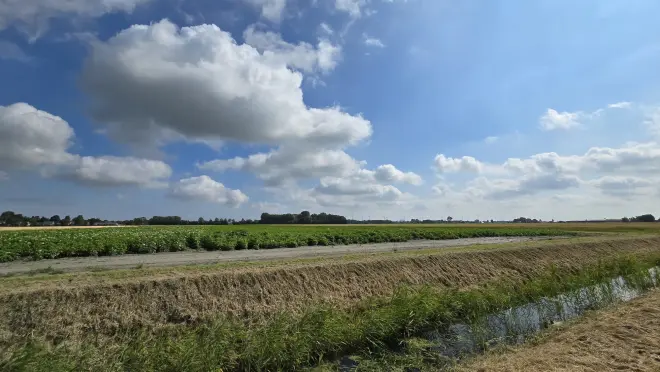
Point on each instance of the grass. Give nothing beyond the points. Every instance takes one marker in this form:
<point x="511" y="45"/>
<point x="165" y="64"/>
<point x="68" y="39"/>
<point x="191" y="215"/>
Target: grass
<point x="625" y="337"/>
<point x="291" y="341"/>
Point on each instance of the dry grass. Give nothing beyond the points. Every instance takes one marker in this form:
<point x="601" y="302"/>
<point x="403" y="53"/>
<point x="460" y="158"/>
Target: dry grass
<point x="74" y="311"/>
<point x="625" y="338"/>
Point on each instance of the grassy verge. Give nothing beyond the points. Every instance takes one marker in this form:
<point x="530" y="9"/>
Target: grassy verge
<point x="287" y="341"/>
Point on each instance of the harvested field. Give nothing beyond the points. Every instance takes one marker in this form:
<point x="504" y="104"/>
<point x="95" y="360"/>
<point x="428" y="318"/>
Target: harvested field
<point x="624" y="338"/>
<point x="70" y="310"/>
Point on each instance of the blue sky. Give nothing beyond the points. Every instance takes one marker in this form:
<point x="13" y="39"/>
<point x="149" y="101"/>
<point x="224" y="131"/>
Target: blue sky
<point x="397" y="109"/>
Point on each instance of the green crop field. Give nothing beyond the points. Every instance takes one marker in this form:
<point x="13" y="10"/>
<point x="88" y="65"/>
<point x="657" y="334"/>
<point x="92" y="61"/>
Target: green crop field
<point x="43" y="243"/>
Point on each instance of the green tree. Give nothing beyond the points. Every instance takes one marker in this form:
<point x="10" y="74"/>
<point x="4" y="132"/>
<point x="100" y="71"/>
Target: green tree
<point x="79" y="220"/>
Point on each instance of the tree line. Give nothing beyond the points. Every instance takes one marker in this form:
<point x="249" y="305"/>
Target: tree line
<point x="303" y="217"/>
<point x="642" y="218"/>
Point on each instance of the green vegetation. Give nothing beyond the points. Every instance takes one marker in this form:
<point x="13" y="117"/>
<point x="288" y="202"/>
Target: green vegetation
<point x="41" y="244"/>
<point x="321" y="334"/>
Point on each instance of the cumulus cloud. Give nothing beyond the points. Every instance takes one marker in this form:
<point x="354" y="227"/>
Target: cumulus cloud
<point x="150" y="84"/>
<point x="444" y="164"/>
<point x="303" y="56"/>
<point x="119" y="171"/>
<point x="553" y="120"/>
<point x="615" y="171"/>
<point x="621" y="185"/>
<point x="341" y="186"/>
<point x="389" y="174"/>
<point x="288" y="164"/>
<point x="33" y="16"/>
<point x="34" y="139"/>
<point x="204" y="188"/>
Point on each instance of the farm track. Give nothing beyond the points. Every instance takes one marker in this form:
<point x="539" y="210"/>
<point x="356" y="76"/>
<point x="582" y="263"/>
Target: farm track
<point x="73" y="307"/>
<point x="206" y="257"/>
<point x="626" y="337"/>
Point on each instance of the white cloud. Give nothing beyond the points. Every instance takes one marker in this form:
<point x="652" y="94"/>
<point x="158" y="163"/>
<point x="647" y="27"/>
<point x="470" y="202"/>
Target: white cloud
<point x="340" y="186"/>
<point x="352" y="7"/>
<point x="372" y="41"/>
<point x="270" y="9"/>
<point x="120" y="171"/>
<point x="326" y="29"/>
<point x="620" y="105"/>
<point x="303" y="56"/>
<point x="622" y="185"/>
<point x="204" y="188"/>
<point x="612" y="170"/>
<point x="444" y="164"/>
<point x="35" y="139"/>
<point x="33" y="16"/>
<point x="289" y="164"/>
<point x="32" y="138"/>
<point x="389" y="174"/>
<point x="157" y="83"/>
<point x="553" y="120"/>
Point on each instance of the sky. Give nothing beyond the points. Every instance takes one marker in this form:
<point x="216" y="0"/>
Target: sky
<point x="371" y="109"/>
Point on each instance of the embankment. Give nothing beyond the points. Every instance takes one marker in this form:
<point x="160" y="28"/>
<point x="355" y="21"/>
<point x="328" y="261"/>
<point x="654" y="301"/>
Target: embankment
<point x="626" y="337"/>
<point x="75" y="311"/>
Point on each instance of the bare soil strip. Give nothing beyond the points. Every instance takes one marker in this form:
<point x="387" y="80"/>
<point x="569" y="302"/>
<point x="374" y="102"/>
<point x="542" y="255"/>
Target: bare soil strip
<point x="190" y="258"/>
<point x="624" y="338"/>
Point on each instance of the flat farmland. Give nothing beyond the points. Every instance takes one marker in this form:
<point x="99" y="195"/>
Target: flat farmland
<point x="290" y="298"/>
<point x="59" y="243"/>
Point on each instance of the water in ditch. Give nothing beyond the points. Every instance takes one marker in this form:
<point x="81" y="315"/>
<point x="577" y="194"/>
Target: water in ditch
<point x="517" y="324"/>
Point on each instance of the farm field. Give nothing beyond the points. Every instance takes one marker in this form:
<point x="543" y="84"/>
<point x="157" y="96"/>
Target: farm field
<point x="200" y="257"/>
<point x="50" y="244"/>
<point x="279" y="310"/>
<point x="283" y="315"/>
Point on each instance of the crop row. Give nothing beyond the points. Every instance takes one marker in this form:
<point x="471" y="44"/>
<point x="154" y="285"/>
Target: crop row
<point x="41" y="244"/>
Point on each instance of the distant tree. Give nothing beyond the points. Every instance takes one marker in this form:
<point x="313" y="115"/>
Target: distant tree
<point x="625" y="219"/>
<point x="94" y="221"/>
<point x="66" y="221"/>
<point x="79" y="220"/>
<point x="304" y="217"/>
<point x="450" y="218"/>
<point x="56" y="218"/>
<point x="6" y="216"/>
<point x="645" y="218"/>
<point x="201" y="220"/>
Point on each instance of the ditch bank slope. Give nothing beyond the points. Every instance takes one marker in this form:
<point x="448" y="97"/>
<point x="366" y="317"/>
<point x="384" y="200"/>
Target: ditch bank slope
<point x="626" y="337"/>
<point x="75" y="311"/>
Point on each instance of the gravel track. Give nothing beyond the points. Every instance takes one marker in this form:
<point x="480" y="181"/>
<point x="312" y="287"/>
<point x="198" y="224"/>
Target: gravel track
<point x="203" y="257"/>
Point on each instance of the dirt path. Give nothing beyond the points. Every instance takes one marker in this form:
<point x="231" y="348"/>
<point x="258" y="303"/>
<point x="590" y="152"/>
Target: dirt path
<point x="624" y="338"/>
<point x="194" y="257"/>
